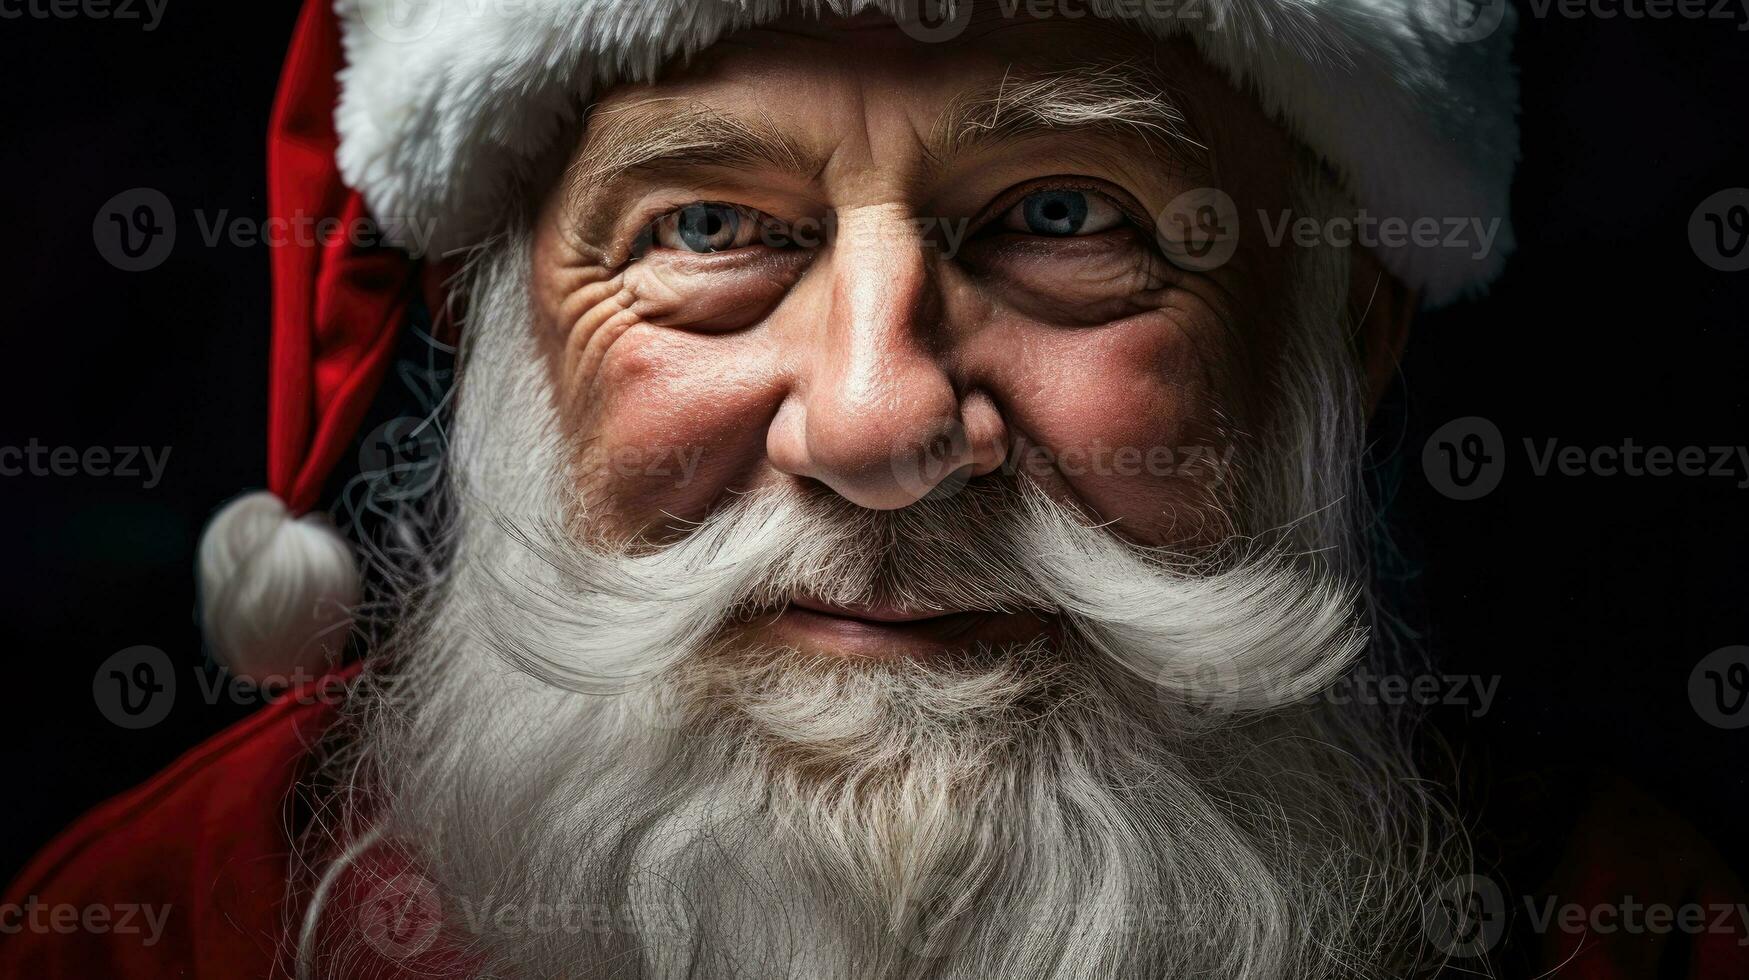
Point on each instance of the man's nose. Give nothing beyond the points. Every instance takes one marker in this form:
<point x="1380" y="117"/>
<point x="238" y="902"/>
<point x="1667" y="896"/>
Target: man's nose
<point x="876" y="413"/>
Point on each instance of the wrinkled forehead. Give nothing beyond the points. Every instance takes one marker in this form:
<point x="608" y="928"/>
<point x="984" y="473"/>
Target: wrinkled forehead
<point x="873" y="47"/>
<point x="826" y="79"/>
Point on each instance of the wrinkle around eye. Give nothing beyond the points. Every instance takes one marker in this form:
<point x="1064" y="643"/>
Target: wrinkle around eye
<point x="715" y="292"/>
<point x="1077" y="284"/>
<point x="603" y="315"/>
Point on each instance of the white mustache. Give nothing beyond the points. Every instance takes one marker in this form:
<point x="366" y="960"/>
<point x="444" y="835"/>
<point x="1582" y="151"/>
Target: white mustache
<point x="1259" y="633"/>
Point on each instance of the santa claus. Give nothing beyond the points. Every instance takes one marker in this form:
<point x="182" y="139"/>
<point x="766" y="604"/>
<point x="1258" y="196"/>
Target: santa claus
<point x="901" y="508"/>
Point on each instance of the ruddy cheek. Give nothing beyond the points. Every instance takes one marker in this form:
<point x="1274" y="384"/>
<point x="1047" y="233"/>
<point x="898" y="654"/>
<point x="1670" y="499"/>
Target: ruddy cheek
<point x="677" y="419"/>
<point x="665" y="380"/>
<point x="1117" y="418"/>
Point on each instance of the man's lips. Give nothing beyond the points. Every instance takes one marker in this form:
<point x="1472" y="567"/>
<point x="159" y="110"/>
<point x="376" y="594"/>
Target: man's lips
<point x="884" y="630"/>
<point x="876" y="612"/>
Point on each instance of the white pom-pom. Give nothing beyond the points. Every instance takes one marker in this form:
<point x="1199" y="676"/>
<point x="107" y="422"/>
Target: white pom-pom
<point x="277" y="592"/>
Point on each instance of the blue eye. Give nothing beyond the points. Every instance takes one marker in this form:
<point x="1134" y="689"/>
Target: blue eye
<point x="1055" y="212"/>
<point x="704" y="227"/>
<point x="707" y="227"/>
<point x="1062" y="213"/>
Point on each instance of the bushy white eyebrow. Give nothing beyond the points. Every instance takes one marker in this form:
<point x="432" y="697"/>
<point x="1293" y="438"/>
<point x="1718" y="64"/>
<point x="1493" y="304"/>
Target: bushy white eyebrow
<point x="1123" y="97"/>
<point x="673" y="132"/>
<point x="669" y="134"/>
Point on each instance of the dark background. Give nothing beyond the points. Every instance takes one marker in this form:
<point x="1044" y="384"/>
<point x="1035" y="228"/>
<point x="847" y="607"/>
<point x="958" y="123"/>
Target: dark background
<point x="1591" y="598"/>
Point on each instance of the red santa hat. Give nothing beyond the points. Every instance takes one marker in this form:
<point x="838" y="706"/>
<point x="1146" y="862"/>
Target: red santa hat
<point x="277" y="582"/>
<point x="422" y="115"/>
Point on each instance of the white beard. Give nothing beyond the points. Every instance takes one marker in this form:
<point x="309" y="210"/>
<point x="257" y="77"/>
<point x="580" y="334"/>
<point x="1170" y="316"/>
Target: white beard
<point x="1160" y="794"/>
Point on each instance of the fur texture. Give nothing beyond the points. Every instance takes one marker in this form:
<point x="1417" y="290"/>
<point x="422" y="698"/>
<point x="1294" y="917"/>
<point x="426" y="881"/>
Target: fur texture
<point x="276" y="591"/>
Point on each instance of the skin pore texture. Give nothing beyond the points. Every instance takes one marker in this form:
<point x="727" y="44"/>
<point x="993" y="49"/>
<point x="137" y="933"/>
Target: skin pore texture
<point x="877" y="314"/>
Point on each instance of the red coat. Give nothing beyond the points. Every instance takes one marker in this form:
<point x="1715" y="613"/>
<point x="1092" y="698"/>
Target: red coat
<point x="210" y="838"/>
<point x="202" y="852"/>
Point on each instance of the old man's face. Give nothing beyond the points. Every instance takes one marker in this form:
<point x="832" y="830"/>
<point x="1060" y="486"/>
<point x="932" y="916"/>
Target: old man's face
<point x="881" y="526"/>
<point x="832" y="256"/>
